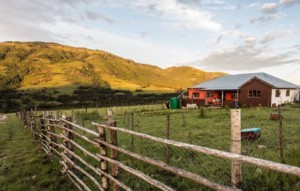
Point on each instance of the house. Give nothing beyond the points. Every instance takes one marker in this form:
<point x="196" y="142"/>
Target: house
<point x="252" y="89"/>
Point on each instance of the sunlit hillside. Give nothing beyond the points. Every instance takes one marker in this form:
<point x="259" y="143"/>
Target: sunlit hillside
<point x="189" y="76"/>
<point x="37" y="64"/>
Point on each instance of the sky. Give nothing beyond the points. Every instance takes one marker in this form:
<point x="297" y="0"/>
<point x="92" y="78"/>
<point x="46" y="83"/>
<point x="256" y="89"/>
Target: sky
<point x="229" y="36"/>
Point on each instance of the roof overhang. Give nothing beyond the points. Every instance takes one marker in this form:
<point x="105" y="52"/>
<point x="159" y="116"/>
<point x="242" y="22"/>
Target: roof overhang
<point x="268" y="84"/>
<point x="256" y="78"/>
<point x="216" y="89"/>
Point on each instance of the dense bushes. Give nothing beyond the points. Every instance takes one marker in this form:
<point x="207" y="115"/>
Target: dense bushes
<point x="12" y="100"/>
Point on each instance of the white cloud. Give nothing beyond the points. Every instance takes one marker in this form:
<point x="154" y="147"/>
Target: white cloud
<point x="220" y="2"/>
<point x="77" y="23"/>
<point x="136" y="49"/>
<point x="248" y="39"/>
<point x="265" y="18"/>
<point x="178" y="15"/>
<point x="289" y="2"/>
<point x="18" y="24"/>
<point x="238" y="25"/>
<point x="216" y="41"/>
<point x="95" y="16"/>
<point x="219" y="39"/>
<point x="246" y="57"/>
<point x="269" y="7"/>
<point x="274" y="35"/>
<point x="35" y="12"/>
<point x="255" y="5"/>
<point x="190" y="2"/>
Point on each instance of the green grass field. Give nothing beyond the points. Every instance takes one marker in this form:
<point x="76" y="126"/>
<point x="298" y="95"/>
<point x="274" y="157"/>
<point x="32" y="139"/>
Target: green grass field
<point x="210" y="130"/>
<point x="23" y="164"/>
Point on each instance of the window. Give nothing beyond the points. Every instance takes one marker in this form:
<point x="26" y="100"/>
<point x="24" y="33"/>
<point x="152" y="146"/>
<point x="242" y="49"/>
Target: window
<point x="277" y="93"/>
<point x="233" y="95"/>
<point x="195" y="94"/>
<point x="287" y="93"/>
<point x="209" y="94"/>
<point x="254" y="93"/>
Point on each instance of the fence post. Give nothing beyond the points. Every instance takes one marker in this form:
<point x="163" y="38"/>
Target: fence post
<point x="183" y="120"/>
<point x="30" y="121"/>
<point x="43" y="127"/>
<point x="48" y="141"/>
<point x="66" y="141"/>
<point x="25" y="119"/>
<point x="281" y="136"/>
<point x="32" y="125"/>
<point x="52" y="138"/>
<point x="103" y="152"/>
<point x="236" y="173"/>
<point x="113" y="153"/>
<point x="190" y="137"/>
<point x="168" y="137"/>
<point x="82" y="120"/>
<point x="132" y="128"/>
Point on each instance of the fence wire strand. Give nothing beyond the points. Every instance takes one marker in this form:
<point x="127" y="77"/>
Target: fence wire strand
<point x="208" y="127"/>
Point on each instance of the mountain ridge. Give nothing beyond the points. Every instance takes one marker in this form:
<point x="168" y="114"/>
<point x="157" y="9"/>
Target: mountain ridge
<point x="25" y="65"/>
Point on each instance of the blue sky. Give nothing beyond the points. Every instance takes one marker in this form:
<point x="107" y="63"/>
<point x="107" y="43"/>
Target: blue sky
<point x="216" y="35"/>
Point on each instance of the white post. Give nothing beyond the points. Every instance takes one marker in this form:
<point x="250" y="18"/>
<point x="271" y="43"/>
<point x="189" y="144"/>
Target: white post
<point x="236" y="174"/>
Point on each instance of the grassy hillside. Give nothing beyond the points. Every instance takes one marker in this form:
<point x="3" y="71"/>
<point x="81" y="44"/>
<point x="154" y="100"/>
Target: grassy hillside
<point x="189" y="76"/>
<point x="28" y="65"/>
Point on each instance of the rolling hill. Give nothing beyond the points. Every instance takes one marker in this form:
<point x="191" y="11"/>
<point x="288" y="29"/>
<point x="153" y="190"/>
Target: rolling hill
<point x="33" y="65"/>
<point x="188" y="76"/>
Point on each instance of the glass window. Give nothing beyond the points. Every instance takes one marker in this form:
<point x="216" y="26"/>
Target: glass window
<point x="209" y="94"/>
<point x="277" y="94"/>
<point x="287" y="93"/>
<point x="233" y="95"/>
<point x="195" y="94"/>
<point x="254" y="93"/>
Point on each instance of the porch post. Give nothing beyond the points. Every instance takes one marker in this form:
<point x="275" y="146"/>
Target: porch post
<point x="205" y="98"/>
<point x="222" y="98"/>
<point x="193" y="98"/>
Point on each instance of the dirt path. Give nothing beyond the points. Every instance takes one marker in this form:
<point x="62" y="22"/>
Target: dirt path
<point x="3" y="118"/>
<point x="23" y="164"/>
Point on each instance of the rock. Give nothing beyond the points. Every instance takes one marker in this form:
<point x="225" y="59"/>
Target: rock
<point x="261" y="146"/>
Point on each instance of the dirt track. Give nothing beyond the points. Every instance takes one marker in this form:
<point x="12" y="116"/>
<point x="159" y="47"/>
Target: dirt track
<point x="3" y="118"/>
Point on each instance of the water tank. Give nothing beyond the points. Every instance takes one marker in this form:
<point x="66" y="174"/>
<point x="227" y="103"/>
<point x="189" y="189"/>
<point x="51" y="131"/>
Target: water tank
<point x="174" y="103"/>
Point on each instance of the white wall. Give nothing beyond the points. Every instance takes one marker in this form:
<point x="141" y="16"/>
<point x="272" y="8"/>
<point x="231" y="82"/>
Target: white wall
<point x="283" y="98"/>
<point x="297" y="95"/>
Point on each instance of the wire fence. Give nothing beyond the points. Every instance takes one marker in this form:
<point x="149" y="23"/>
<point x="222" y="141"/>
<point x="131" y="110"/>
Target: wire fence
<point x="210" y="127"/>
<point x="278" y="141"/>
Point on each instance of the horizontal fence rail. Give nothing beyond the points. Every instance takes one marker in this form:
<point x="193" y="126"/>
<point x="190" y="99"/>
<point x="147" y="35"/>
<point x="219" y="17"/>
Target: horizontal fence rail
<point x="74" y="146"/>
<point x="213" y="152"/>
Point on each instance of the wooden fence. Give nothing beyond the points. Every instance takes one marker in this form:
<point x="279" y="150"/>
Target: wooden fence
<point x="57" y="134"/>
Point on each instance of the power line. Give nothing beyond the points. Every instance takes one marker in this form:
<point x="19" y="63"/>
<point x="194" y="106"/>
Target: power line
<point x="292" y="73"/>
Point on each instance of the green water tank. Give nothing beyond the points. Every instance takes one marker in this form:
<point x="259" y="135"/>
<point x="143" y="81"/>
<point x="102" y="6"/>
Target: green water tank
<point x="174" y="103"/>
